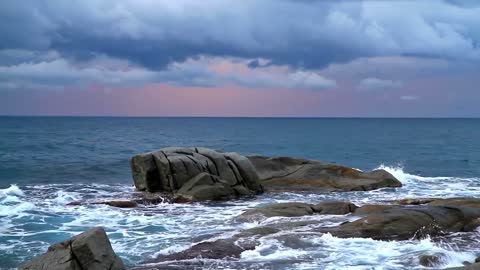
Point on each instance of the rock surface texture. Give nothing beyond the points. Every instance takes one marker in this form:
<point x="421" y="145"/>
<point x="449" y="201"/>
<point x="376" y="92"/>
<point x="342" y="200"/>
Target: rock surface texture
<point x="198" y="174"/>
<point x="195" y="173"/>
<point x="293" y="174"/>
<point x="90" y="250"/>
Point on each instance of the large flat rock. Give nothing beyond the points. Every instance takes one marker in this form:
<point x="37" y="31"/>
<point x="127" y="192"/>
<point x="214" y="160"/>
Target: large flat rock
<point x="294" y="174"/>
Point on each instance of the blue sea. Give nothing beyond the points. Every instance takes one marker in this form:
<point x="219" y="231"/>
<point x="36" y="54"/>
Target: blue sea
<point x="47" y="162"/>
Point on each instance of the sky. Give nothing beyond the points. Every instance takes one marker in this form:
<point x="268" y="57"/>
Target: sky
<point x="266" y="58"/>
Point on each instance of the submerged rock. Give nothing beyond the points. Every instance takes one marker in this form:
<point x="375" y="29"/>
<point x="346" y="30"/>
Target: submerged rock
<point x="90" y="250"/>
<point x="195" y="174"/>
<point x="219" y="249"/>
<point x="294" y="174"/>
<point x="296" y="209"/>
<point x="430" y="260"/>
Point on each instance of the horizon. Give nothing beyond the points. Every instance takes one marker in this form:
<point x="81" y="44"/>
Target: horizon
<point x="387" y="59"/>
<point x="240" y="117"/>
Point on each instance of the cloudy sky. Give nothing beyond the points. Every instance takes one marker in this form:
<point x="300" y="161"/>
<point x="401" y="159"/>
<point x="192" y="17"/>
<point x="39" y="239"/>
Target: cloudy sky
<point x="240" y="58"/>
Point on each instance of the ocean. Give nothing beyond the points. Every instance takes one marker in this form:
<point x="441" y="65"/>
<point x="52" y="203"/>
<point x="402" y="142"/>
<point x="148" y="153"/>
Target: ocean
<point x="47" y="162"/>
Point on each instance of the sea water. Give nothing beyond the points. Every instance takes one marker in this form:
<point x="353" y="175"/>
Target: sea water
<point x="47" y="162"/>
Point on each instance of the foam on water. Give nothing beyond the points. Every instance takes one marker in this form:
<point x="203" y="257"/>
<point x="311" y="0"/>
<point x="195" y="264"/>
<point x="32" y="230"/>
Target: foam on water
<point x="13" y="190"/>
<point x="33" y="217"/>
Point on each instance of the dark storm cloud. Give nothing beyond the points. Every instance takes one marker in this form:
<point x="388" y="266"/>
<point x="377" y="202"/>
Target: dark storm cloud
<point x="49" y="44"/>
<point x="301" y="34"/>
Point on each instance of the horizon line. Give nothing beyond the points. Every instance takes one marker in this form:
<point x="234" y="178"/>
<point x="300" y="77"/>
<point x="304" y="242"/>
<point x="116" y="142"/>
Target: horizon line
<point x="293" y="117"/>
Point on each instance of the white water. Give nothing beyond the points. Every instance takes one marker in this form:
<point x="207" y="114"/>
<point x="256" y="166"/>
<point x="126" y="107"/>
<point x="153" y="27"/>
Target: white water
<point x="33" y="217"/>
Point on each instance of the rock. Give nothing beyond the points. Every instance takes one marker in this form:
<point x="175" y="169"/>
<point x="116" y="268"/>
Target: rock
<point x="120" y="204"/>
<point x="181" y="170"/>
<point x="296" y="209"/>
<point x="429" y="260"/>
<point x="291" y="174"/>
<point x="126" y="203"/>
<point x="398" y="222"/>
<point x="334" y="208"/>
<point x="195" y="174"/>
<point x="291" y="209"/>
<point x="219" y="249"/>
<point x="90" y="250"/>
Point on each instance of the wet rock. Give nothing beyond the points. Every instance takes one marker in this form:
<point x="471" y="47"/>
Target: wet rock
<point x="297" y="209"/>
<point x="195" y="174"/>
<point x="430" y="260"/>
<point x="292" y="174"/>
<point x="219" y="249"/>
<point x="291" y="209"/>
<point x="126" y="203"/>
<point x="120" y="204"/>
<point x="89" y="250"/>
<point x="397" y="222"/>
<point x="334" y="208"/>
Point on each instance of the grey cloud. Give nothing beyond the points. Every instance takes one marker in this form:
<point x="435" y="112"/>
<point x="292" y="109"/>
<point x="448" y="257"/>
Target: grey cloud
<point x="301" y="34"/>
<point x="59" y="73"/>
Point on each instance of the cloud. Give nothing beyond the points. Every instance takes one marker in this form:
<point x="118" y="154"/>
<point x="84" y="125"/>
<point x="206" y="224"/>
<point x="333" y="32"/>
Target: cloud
<point x="59" y="73"/>
<point x="375" y="84"/>
<point x="300" y="34"/>
<point x="409" y="98"/>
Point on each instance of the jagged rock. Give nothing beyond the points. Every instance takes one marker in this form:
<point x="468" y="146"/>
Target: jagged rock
<point x="296" y="209"/>
<point x="90" y="250"/>
<point x="195" y="174"/>
<point x="293" y="174"/>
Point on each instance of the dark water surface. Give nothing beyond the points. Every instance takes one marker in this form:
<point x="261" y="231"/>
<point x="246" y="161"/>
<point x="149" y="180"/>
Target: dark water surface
<point x="46" y="162"/>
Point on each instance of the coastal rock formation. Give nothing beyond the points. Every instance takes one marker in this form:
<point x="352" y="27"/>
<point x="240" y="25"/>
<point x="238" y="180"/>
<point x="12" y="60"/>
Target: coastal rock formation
<point x="384" y="222"/>
<point x="90" y="250"/>
<point x="195" y="173"/>
<point x="411" y="219"/>
<point x="399" y="222"/>
<point x="294" y="174"/>
<point x="295" y="209"/>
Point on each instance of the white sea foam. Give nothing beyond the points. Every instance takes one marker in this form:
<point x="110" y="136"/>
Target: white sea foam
<point x="63" y="197"/>
<point x="13" y="190"/>
<point x="16" y="209"/>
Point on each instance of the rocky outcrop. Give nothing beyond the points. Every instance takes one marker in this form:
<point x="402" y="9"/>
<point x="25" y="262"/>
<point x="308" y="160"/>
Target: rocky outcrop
<point x="382" y="222"/>
<point x="294" y="174"/>
<point x="296" y="209"/>
<point x="195" y="173"/>
<point x="204" y="174"/>
<point x="90" y="250"/>
<point x="401" y="222"/>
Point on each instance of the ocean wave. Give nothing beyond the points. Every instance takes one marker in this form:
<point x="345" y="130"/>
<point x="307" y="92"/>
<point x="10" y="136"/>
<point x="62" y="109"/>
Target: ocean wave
<point x="13" y="190"/>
